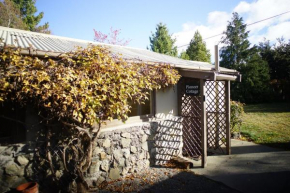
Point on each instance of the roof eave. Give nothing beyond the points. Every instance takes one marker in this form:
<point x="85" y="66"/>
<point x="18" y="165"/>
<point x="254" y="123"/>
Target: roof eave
<point x="204" y="73"/>
<point x="210" y="75"/>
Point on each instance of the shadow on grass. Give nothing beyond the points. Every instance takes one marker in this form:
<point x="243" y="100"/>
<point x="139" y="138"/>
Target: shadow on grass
<point x="281" y="145"/>
<point x="267" y="108"/>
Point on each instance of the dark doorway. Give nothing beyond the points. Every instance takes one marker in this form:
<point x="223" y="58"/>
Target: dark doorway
<point x="190" y="103"/>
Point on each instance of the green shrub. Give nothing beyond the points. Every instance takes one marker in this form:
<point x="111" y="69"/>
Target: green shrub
<point x="237" y="110"/>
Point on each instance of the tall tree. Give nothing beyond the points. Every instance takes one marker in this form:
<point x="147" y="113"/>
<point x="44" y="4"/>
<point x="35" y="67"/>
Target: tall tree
<point x="237" y="54"/>
<point x="255" y="85"/>
<point x="235" y="51"/>
<point x="183" y="55"/>
<point x="197" y="49"/>
<point x="10" y="15"/>
<point x="278" y="58"/>
<point x="162" y="42"/>
<point x="28" y="10"/>
<point x="43" y="28"/>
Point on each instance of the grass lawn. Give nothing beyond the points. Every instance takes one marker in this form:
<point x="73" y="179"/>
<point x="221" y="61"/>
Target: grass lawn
<point x="267" y="124"/>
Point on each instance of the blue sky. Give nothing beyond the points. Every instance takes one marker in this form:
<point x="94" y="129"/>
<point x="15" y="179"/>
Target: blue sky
<point x="137" y="19"/>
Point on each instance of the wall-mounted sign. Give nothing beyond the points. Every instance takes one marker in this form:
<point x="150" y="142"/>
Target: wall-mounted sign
<point x="192" y="88"/>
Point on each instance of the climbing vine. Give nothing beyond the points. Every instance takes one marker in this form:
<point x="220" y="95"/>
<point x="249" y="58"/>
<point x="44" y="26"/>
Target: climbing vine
<point x="79" y="89"/>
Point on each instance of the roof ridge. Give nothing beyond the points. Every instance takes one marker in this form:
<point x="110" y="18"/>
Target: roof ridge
<point x="66" y="38"/>
<point x="60" y="44"/>
<point x="87" y="41"/>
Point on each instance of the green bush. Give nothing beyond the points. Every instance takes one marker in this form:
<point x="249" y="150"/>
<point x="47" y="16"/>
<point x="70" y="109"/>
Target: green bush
<point x="237" y="110"/>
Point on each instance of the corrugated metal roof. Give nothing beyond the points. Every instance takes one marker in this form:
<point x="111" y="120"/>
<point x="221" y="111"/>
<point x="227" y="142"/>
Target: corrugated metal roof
<point x="57" y="44"/>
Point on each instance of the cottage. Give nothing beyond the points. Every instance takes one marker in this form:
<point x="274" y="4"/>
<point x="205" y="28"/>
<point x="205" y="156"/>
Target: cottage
<point x="184" y="121"/>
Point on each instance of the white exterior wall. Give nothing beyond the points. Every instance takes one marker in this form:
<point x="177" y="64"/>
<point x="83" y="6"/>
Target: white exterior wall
<point x="167" y="103"/>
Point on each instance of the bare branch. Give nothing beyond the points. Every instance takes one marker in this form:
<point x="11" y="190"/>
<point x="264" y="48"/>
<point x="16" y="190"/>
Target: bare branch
<point x="80" y="129"/>
<point x="11" y="119"/>
<point x="64" y="152"/>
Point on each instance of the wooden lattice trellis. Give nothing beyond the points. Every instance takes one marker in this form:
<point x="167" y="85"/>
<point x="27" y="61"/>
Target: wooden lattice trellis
<point x="216" y="118"/>
<point x="216" y="115"/>
<point x="205" y="118"/>
<point x="191" y="112"/>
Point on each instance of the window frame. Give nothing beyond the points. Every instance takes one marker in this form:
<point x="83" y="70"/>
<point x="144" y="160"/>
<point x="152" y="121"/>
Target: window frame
<point x="137" y="118"/>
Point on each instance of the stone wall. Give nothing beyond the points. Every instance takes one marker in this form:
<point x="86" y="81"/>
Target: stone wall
<point x="15" y="165"/>
<point x="119" y="151"/>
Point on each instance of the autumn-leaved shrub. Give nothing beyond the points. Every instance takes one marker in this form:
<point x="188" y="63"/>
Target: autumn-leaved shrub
<point x="79" y="89"/>
<point x="87" y="85"/>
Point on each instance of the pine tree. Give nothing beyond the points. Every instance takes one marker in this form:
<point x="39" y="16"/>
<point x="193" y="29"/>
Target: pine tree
<point x="28" y="10"/>
<point x="235" y="51"/>
<point x="197" y="49"/>
<point x="237" y="54"/>
<point x="255" y="85"/>
<point x="162" y="42"/>
<point x="278" y="58"/>
<point x="183" y="55"/>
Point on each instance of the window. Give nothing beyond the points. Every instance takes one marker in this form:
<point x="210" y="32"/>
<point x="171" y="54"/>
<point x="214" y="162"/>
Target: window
<point x="12" y="129"/>
<point x="144" y="110"/>
<point x="141" y="109"/>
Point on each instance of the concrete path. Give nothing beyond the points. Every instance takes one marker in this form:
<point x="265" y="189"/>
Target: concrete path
<point x="250" y="168"/>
